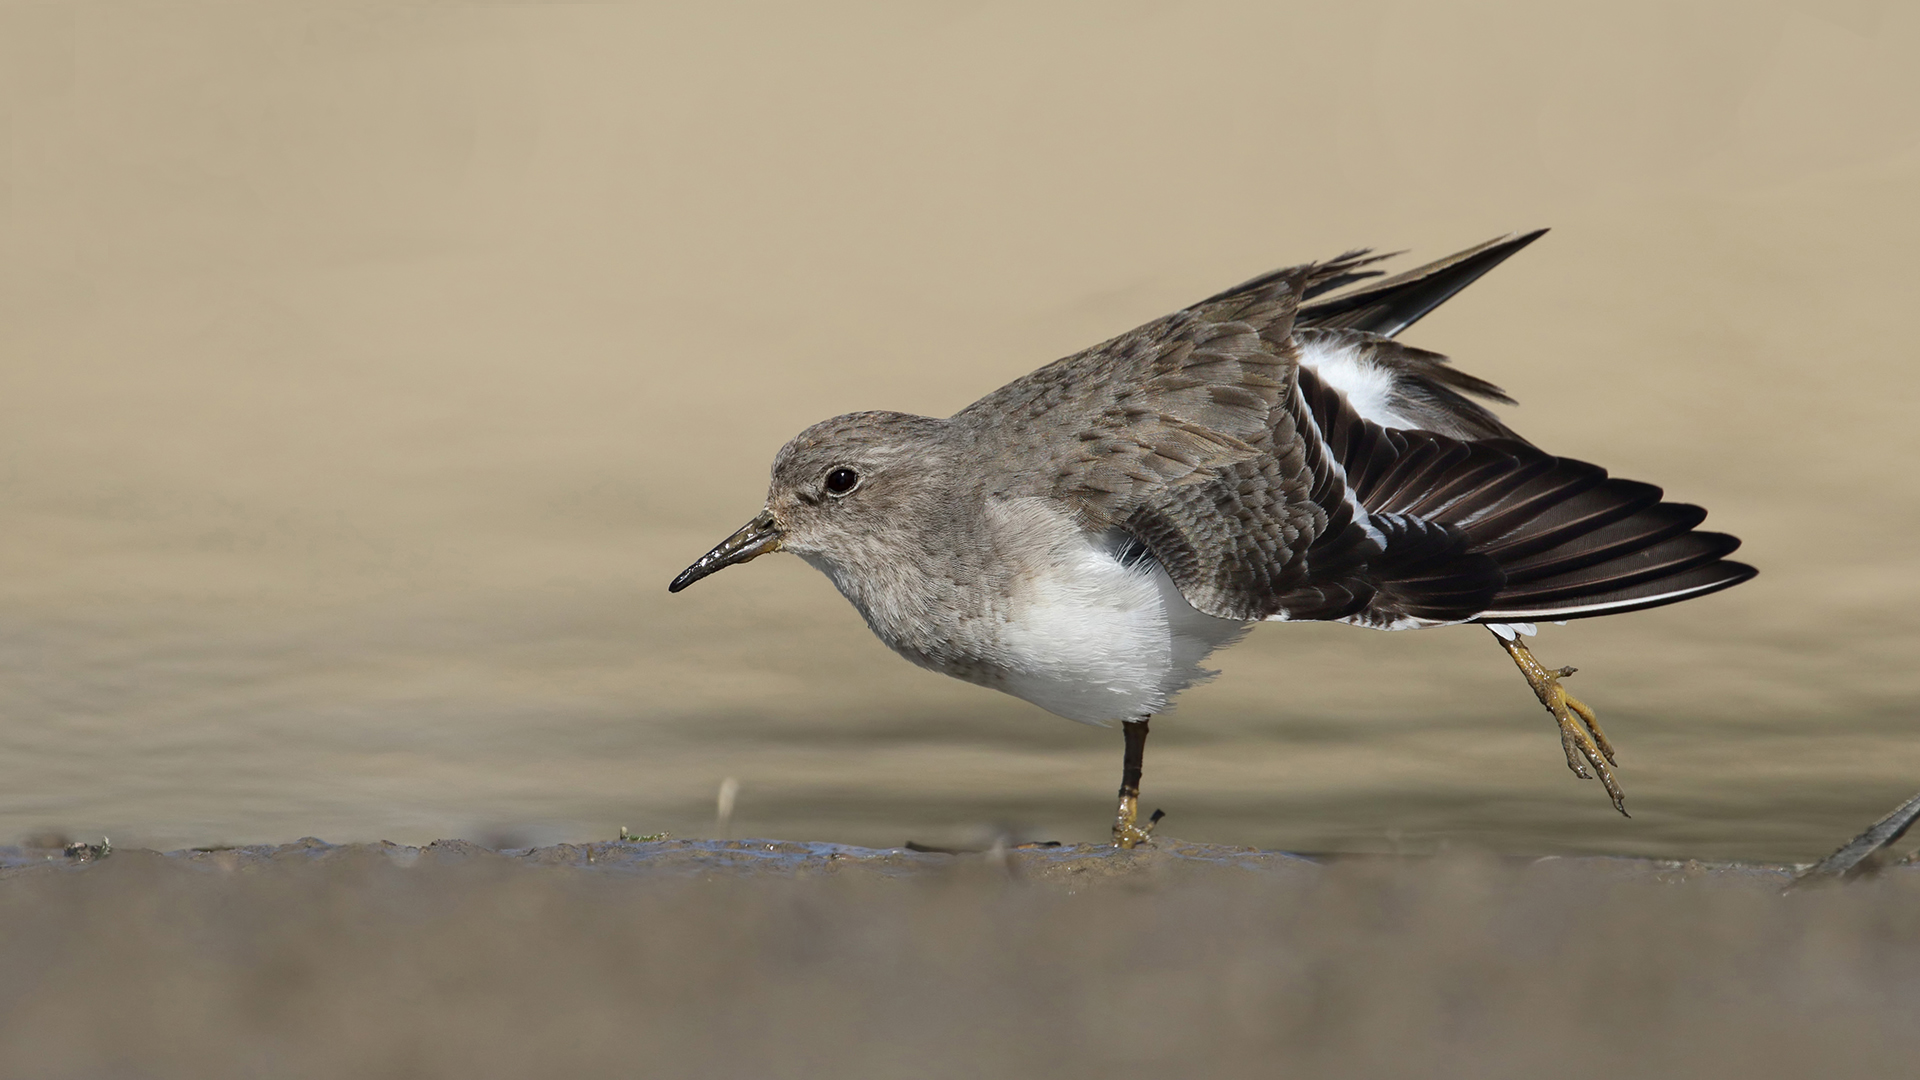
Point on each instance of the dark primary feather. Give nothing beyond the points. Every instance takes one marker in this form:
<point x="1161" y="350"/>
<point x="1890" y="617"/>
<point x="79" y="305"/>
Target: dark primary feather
<point x="1534" y="536"/>
<point x="1391" y="305"/>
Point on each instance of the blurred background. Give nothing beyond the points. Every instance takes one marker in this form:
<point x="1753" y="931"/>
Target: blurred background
<point x="367" y="370"/>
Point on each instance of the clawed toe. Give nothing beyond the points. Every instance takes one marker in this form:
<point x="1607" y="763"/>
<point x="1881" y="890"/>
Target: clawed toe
<point x="1589" y="754"/>
<point x="1127" y="833"/>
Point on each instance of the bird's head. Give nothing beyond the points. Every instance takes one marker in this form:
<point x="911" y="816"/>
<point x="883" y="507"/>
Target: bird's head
<point x="850" y="494"/>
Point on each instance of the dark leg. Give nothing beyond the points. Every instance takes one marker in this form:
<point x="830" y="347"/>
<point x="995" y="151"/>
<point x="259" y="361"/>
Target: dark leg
<point x="1125" y="833"/>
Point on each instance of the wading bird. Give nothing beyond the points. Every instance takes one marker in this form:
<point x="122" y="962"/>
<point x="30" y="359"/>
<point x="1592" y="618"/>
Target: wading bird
<point x="1085" y="536"/>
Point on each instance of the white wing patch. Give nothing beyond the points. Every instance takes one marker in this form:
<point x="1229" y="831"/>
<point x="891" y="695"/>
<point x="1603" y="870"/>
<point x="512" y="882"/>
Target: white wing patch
<point x="1367" y="386"/>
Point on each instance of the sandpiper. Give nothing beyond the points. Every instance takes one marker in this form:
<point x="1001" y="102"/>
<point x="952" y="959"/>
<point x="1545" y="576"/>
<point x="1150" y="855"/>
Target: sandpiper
<point x="1085" y="536"/>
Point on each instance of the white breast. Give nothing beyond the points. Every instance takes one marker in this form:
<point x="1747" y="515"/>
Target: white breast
<point x="1095" y="639"/>
<point x="1056" y="618"/>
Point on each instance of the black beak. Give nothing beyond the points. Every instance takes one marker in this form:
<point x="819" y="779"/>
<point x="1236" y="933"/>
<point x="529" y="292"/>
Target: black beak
<point x="755" y="538"/>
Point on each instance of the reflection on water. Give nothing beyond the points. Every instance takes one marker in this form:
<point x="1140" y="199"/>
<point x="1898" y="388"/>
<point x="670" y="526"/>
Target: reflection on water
<point x="348" y="440"/>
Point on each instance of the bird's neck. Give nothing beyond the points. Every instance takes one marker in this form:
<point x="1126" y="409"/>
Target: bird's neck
<point x="937" y="601"/>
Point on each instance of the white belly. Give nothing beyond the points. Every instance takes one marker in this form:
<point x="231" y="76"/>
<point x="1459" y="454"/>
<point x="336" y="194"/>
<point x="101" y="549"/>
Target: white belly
<point x="1066" y="624"/>
<point x="1095" y="640"/>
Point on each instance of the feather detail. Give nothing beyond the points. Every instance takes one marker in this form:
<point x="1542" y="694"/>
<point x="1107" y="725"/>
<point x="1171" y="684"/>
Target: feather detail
<point x="1391" y="305"/>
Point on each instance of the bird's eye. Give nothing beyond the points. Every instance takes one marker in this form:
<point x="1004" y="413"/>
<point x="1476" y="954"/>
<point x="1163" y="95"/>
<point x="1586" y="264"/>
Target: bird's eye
<point x="842" y="480"/>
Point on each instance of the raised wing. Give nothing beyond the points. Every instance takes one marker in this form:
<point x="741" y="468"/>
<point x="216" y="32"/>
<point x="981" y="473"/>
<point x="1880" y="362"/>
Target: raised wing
<point x="1399" y="386"/>
<point x="1178" y="433"/>
<point x="1280" y="471"/>
<point x="1496" y="530"/>
<point x="1346" y="340"/>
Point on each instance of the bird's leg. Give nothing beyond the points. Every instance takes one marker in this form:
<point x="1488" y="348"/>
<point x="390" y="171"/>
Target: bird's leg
<point x="1126" y="834"/>
<point x="1580" y="734"/>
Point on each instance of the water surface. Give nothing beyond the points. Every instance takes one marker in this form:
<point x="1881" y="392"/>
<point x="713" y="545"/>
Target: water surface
<point x="366" y="373"/>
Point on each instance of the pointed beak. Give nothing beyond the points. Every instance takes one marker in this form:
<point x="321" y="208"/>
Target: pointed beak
<point x="755" y="538"/>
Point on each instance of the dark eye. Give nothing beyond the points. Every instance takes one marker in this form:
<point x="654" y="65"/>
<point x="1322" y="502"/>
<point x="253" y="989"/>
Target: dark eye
<point x="842" y="480"/>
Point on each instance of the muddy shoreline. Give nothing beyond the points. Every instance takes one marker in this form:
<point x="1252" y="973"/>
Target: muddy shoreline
<point x="769" y="958"/>
<point x="1166" y="861"/>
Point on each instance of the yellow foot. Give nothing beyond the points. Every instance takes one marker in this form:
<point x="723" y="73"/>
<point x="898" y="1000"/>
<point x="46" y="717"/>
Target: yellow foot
<point x="1127" y="834"/>
<point x="1580" y="735"/>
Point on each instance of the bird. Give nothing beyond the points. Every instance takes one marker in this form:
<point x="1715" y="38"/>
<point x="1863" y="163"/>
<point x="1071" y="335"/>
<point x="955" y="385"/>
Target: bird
<point x="1087" y="535"/>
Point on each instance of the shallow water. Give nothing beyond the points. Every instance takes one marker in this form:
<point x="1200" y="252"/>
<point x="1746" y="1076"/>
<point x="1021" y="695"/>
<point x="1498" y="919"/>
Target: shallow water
<point x="366" y="373"/>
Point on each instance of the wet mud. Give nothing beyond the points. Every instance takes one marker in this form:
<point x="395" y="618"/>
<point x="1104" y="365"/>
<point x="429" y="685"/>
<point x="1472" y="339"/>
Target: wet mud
<point x="770" y="958"/>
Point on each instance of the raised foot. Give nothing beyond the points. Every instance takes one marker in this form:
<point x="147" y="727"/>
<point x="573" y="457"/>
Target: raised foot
<point x="1588" y="752"/>
<point x="1127" y="834"/>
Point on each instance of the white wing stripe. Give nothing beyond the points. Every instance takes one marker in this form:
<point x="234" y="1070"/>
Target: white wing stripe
<point x="1360" y="515"/>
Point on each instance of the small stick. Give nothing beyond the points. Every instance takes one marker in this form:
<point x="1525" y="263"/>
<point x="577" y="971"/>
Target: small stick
<point x="1849" y="860"/>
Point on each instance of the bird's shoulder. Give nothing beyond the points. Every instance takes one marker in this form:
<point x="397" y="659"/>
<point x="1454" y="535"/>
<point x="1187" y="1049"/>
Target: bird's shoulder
<point x="1195" y="434"/>
<point x="1190" y="392"/>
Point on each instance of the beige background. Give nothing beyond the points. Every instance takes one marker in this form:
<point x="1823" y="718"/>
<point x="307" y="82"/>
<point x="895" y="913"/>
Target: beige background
<point x="366" y="372"/>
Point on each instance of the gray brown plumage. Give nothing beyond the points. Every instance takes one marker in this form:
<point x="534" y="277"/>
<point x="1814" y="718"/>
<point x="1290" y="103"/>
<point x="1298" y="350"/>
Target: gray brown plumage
<point x="1266" y="495"/>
